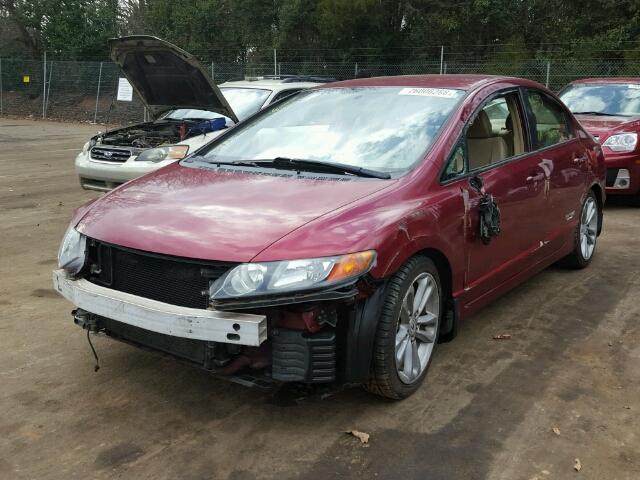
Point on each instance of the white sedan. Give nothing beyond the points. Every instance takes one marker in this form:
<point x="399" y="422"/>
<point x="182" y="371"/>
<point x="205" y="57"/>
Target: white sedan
<point x="189" y="110"/>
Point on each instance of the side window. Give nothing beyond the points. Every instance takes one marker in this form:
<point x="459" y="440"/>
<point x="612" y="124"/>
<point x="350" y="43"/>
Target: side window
<point x="496" y="133"/>
<point x="284" y="94"/>
<point x="455" y="165"/>
<point x="550" y="123"/>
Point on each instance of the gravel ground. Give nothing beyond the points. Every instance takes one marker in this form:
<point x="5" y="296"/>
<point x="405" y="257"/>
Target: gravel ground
<point x="487" y="410"/>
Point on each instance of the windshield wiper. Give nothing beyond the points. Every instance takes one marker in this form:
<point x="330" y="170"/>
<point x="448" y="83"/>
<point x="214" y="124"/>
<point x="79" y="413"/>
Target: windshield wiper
<point x="604" y="114"/>
<point x="299" y="164"/>
<point x="327" y="167"/>
<point x="213" y="161"/>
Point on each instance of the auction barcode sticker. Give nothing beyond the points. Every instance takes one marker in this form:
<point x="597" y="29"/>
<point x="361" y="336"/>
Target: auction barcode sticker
<point x="429" y="92"/>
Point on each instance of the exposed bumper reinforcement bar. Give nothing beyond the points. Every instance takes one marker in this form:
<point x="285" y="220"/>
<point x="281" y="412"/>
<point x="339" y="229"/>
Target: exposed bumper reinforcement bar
<point x="210" y="325"/>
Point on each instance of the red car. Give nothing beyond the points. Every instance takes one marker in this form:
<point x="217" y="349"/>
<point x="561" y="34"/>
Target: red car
<point x="338" y="235"/>
<point x="609" y="109"/>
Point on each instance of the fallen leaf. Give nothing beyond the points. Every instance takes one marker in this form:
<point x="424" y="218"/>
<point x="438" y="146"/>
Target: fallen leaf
<point x="556" y="430"/>
<point x="577" y="466"/>
<point x="502" y="336"/>
<point x="363" y="437"/>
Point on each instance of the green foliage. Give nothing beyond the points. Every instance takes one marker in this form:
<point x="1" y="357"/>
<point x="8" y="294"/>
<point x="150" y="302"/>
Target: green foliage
<point x="391" y="31"/>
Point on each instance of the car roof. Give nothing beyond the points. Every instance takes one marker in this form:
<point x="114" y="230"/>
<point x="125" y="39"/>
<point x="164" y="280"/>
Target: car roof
<point x="270" y="84"/>
<point x="612" y="80"/>
<point x="454" y="81"/>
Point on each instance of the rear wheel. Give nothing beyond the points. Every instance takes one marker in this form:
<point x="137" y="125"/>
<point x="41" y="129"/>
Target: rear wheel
<point x="407" y="330"/>
<point x="585" y="235"/>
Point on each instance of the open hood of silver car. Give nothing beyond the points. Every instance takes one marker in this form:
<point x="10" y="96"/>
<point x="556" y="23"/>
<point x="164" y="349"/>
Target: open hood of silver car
<point x="166" y="77"/>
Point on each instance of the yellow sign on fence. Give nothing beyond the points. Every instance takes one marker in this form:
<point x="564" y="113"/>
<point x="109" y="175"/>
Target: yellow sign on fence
<point x="26" y="79"/>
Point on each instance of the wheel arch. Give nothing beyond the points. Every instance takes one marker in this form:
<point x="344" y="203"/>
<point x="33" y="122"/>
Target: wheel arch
<point x="449" y="328"/>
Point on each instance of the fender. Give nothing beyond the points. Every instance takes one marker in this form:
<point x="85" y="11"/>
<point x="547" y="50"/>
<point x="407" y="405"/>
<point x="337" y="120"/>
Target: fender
<point x="361" y="335"/>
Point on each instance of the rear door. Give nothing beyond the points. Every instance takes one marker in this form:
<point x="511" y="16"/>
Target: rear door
<point x="496" y="149"/>
<point x="563" y="159"/>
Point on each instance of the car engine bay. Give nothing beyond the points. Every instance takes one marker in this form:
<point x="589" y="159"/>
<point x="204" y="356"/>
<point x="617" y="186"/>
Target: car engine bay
<point x="145" y="135"/>
<point x="159" y="132"/>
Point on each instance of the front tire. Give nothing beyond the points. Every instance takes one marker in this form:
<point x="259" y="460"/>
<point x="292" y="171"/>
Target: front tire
<point x="407" y="330"/>
<point x="585" y="235"/>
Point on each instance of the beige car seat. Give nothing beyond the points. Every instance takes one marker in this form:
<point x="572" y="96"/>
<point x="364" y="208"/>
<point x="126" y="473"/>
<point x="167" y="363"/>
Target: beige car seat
<point x="483" y="146"/>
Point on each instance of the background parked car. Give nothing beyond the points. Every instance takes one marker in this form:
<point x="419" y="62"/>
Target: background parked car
<point x="609" y="109"/>
<point x="187" y="108"/>
<point x="338" y="237"/>
<point x="246" y="97"/>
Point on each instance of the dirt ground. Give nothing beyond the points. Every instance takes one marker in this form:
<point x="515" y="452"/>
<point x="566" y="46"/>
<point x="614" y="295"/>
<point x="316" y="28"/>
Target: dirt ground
<point x="486" y="411"/>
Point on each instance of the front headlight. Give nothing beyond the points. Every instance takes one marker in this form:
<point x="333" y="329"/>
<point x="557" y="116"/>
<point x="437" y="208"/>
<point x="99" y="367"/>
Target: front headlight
<point x="158" y="154"/>
<point x="73" y="250"/>
<point x="87" y="146"/>
<point x="622" y="142"/>
<point x="259" y="279"/>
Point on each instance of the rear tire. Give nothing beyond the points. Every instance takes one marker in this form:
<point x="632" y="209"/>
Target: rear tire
<point x="585" y="235"/>
<point x="407" y="330"/>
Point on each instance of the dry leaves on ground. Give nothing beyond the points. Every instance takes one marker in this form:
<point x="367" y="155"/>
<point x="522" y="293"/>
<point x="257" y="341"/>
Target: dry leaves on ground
<point x="362" y="436"/>
<point x="502" y="336"/>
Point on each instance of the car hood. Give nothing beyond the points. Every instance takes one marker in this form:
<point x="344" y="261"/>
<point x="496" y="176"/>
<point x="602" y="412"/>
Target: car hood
<point x="198" y="141"/>
<point x="602" y="126"/>
<point x="167" y="77"/>
<point x="215" y="214"/>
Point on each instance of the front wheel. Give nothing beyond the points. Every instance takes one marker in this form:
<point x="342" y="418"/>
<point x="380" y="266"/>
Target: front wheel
<point x="585" y="235"/>
<point x="407" y="330"/>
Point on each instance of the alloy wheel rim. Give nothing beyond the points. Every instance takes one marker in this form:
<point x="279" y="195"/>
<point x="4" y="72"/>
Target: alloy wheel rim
<point x="588" y="228"/>
<point x="417" y="328"/>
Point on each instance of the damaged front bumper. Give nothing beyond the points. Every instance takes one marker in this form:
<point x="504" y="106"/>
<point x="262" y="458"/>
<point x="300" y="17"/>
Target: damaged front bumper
<point x="191" y="323"/>
<point x="315" y="338"/>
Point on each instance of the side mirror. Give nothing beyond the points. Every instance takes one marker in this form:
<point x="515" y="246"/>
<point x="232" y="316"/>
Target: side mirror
<point x="476" y="183"/>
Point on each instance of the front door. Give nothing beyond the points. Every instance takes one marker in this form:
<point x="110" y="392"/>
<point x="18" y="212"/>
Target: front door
<point x="496" y="149"/>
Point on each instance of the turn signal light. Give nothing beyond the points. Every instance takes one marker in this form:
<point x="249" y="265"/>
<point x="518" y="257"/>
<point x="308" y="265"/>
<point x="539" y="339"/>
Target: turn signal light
<point x="352" y="265"/>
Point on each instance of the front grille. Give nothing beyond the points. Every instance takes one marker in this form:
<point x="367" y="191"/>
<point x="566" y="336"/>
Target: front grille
<point x="612" y="174"/>
<point x="116" y="155"/>
<point x="173" y="280"/>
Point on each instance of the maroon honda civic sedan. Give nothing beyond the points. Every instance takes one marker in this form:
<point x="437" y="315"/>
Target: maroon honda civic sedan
<point x="340" y="234"/>
<point x="609" y="109"/>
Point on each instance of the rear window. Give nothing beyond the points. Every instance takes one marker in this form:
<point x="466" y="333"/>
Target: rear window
<point x="607" y="99"/>
<point x="382" y="128"/>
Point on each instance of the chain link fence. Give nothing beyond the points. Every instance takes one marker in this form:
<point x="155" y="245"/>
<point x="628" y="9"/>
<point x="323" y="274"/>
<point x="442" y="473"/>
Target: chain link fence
<point x="86" y="91"/>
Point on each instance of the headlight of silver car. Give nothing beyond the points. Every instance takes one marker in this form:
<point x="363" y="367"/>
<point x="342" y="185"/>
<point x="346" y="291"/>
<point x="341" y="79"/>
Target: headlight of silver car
<point x="622" y="142"/>
<point x="158" y="154"/>
<point x="259" y="279"/>
<point x="87" y="146"/>
<point x="73" y="250"/>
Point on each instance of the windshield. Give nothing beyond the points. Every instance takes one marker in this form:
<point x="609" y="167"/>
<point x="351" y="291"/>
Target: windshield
<point x="191" y="114"/>
<point x="611" y="99"/>
<point x="381" y="128"/>
<point x="245" y="101"/>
